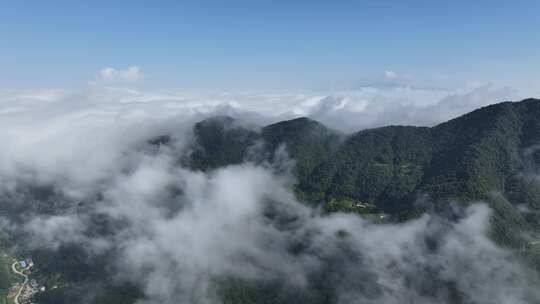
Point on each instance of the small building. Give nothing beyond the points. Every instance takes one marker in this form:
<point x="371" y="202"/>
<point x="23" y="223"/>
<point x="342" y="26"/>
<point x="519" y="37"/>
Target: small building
<point x="360" y="204"/>
<point x="23" y="264"/>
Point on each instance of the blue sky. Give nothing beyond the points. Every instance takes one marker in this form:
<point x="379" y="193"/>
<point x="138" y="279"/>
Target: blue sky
<point x="270" y="44"/>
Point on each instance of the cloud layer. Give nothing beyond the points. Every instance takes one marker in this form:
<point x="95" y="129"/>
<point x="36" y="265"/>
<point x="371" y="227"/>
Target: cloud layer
<point x="53" y="132"/>
<point x="181" y="232"/>
<point x="243" y="223"/>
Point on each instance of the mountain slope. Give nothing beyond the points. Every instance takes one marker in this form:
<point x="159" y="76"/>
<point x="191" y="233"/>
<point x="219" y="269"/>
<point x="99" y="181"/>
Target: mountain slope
<point x="308" y="142"/>
<point x="488" y="154"/>
<point x="221" y="141"/>
<point x="464" y="159"/>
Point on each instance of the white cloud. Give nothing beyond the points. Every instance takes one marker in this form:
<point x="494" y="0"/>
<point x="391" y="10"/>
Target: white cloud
<point x="83" y="135"/>
<point x="132" y="73"/>
<point x="53" y="132"/>
<point x="390" y="75"/>
<point x="374" y="107"/>
<point x="174" y="247"/>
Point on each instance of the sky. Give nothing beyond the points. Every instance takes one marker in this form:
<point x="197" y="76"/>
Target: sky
<point x="269" y="44"/>
<point x="85" y="85"/>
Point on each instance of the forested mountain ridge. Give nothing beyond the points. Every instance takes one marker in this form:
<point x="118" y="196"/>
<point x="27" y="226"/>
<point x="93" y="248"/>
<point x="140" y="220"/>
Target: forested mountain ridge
<point x="464" y="159"/>
<point x="221" y="141"/>
<point x="487" y="155"/>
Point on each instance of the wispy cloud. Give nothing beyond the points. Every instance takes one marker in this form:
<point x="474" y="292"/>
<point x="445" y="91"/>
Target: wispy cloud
<point x="132" y="73"/>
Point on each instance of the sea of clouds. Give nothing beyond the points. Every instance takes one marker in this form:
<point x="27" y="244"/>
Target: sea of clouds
<point x="182" y="229"/>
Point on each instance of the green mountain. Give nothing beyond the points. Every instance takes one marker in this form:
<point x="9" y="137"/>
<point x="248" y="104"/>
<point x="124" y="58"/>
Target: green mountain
<point x="464" y="159"/>
<point x="486" y="155"/>
<point x="491" y="155"/>
<point x="221" y="141"/>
